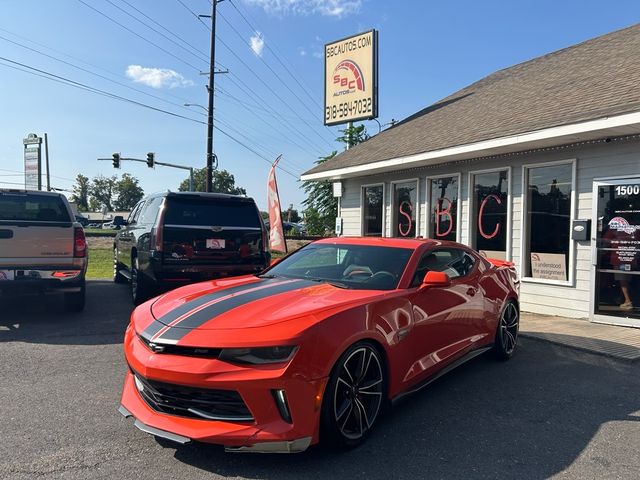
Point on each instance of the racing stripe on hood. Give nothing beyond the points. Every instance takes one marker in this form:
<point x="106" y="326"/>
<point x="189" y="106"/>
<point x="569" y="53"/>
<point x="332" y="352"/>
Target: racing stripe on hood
<point x="179" y="312"/>
<point x="209" y="312"/>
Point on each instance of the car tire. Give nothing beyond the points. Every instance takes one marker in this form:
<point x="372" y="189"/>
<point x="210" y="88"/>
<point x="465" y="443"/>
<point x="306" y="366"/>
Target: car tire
<point x="506" y="339"/>
<point x="140" y="290"/>
<point x="75" y="301"/>
<point x="117" y="268"/>
<point x="354" y="397"/>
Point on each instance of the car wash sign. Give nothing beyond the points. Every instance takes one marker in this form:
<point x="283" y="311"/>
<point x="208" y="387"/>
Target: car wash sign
<point x="351" y="79"/>
<point x="32" y="162"/>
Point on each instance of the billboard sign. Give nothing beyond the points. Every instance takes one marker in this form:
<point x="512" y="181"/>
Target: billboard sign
<point x="32" y="162"/>
<point x="351" y="79"/>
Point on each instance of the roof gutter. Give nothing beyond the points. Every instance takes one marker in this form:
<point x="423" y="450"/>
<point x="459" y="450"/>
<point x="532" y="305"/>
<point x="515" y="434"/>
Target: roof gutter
<point x="625" y="124"/>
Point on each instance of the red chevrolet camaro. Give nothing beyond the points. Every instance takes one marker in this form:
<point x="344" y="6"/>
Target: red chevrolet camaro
<point x="316" y="346"/>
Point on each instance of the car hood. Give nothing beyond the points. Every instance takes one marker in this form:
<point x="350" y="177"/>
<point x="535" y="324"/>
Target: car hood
<point x="249" y="302"/>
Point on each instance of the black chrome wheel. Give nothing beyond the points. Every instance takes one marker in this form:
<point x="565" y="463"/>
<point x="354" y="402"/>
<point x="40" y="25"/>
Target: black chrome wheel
<point x="507" y="334"/>
<point x="354" y="395"/>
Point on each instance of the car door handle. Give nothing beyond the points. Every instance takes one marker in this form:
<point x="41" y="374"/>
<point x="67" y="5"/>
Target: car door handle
<point x="471" y="291"/>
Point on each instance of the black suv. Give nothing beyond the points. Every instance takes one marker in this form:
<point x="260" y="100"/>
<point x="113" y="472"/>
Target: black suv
<point x="172" y="239"/>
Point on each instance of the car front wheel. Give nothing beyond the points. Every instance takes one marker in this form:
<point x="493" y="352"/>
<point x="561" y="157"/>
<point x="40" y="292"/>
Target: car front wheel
<point x="354" y="396"/>
<point x="507" y="332"/>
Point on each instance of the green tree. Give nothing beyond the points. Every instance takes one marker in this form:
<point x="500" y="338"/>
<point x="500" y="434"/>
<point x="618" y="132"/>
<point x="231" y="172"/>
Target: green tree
<point x="127" y="192"/>
<point x="81" y="192"/>
<point x="223" y="182"/>
<point x="291" y="215"/>
<point x="101" y="192"/>
<point x="321" y="205"/>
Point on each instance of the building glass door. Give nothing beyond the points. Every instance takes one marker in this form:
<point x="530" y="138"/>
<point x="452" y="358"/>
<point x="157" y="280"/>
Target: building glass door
<point x="617" y="252"/>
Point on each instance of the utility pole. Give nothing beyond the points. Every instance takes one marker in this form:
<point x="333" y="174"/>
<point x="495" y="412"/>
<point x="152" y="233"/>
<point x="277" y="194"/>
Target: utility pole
<point x="212" y="64"/>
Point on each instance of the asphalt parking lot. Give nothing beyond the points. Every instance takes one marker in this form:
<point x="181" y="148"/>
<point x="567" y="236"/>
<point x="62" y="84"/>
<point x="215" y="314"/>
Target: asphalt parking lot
<point x="550" y="412"/>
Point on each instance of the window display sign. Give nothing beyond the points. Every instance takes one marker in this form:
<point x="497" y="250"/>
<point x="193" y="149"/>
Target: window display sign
<point x="443" y="206"/>
<point x="549" y="266"/>
<point x="404" y="205"/>
<point x="490" y="202"/>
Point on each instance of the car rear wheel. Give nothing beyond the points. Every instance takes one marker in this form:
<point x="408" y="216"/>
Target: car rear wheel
<point x="117" y="268"/>
<point x="74" y="301"/>
<point x="354" y="396"/>
<point x="507" y="332"/>
<point x="139" y="287"/>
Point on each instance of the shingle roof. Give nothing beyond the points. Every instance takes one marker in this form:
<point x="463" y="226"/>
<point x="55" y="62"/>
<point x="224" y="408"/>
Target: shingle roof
<point x="594" y="79"/>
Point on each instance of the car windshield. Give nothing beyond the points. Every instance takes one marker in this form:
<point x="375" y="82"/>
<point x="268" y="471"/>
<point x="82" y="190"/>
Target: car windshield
<point x="362" y="267"/>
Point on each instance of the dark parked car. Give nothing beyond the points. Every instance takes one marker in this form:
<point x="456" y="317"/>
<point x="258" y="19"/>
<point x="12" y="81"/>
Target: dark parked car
<point x="173" y="239"/>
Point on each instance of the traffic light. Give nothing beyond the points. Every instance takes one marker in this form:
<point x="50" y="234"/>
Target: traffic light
<point x="151" y="159"/>
<point x="116" y="160"/>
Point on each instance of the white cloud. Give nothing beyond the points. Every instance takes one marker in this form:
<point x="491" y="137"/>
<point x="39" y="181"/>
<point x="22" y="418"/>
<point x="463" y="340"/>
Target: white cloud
<point x="332" y="8"/>
<point x="257" y="43"/>
<point x="318" y="54"/>
<point x="157" y="77"/>
<point x="302" y="52"/>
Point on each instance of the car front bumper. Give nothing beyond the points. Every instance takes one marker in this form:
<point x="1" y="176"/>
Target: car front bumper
<point x="267" y="431"/>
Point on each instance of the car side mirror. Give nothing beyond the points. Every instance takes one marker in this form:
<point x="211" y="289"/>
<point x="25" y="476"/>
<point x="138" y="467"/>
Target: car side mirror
<point x="435" y="279"/>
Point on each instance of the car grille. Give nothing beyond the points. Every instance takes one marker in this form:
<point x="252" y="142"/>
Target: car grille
<point x="210" y="404"/>
<point x="203" y="352"/>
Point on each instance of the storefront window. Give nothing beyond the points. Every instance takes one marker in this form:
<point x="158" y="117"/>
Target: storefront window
<point x="405" y="197"/>
<point x="548" y="222"/>
<point x="372" y="210"/>
<point x="443" y="208"/>
<point x="490" y="201"/>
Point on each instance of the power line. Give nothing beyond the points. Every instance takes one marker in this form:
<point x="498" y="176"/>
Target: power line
<point x="254" y="73"/>
<point x="97" y="67"/>
<point x="139" y="36"/>
<point x="233" y="4"/>
<point x="97" y="90"/>
<point x="93" y="73"/>
<point x="57" y="78"/>
<point x="199" y="53"/>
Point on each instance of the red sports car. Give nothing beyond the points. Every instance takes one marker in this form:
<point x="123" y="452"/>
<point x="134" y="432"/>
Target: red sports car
<point x="316" y="346"/>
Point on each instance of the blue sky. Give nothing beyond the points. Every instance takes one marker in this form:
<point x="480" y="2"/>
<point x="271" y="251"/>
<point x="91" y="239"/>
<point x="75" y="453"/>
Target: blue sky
<point x="428" y="49"/>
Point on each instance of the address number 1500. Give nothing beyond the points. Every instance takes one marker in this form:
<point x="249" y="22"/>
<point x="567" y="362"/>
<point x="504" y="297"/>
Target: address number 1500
<point x="628" y="190"/>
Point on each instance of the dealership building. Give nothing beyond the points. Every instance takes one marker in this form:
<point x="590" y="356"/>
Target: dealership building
<point x="538" y="164"/>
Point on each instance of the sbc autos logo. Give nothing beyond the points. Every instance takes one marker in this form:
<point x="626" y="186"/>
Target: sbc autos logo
<point x="347" y="78"/>
<point x="621" y="224"/>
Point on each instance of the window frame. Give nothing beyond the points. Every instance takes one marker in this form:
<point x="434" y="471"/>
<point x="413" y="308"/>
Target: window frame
<point x="524" y="227"/>
<point x="384" y="206"/>
<point x="471" y="207"/>
<point x="132" y="219"/>
<point x="416" y="206"/>
<point x="458" y="207"/>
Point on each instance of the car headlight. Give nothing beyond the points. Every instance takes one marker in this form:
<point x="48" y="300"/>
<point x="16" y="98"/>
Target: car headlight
<point x="257" y="355"/>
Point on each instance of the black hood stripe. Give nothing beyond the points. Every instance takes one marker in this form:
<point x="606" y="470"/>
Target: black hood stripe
<point x="180" y="311"/>
<point x="199" y="318"/>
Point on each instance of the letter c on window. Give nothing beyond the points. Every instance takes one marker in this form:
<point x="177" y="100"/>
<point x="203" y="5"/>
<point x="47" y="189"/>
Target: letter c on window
<point x="481" y="211"/>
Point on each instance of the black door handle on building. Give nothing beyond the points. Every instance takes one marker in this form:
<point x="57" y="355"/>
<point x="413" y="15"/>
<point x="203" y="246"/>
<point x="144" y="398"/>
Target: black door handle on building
<point x="471" y="291"/>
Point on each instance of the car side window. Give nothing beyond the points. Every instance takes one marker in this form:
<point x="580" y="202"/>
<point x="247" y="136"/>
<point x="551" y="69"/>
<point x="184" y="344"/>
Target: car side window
<point x="454" y="262"/>
<point x="149" y="212"/>
<point x="133" y="216"/>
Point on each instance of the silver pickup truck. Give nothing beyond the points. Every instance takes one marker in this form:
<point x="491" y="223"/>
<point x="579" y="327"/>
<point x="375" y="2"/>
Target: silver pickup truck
<point x="42" y="248"/>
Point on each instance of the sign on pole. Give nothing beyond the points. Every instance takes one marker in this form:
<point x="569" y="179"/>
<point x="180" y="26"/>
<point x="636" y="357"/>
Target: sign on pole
<point x="32" y="162"/>
<point x="351" y="79"/>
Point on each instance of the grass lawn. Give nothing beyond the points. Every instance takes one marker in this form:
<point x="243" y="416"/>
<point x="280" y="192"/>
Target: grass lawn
<point x="99" y="232"/>
<point x="100" y="262"/>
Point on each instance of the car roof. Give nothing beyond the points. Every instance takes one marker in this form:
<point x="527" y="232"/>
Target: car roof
<point x="38" y="192"/>
<point x="221" y="196"/>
